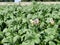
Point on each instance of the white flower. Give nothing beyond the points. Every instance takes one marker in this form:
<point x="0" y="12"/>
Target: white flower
<point x="52" y="21"/>
<point x="31" y="21"/>
<point x="35" y="21"/>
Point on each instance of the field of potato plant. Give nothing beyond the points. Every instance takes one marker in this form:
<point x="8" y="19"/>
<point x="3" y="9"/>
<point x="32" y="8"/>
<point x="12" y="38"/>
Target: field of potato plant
<point x="35" y="24"/>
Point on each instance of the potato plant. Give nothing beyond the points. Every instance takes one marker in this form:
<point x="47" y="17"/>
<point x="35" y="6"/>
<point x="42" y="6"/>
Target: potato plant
<point x="35" y="24"/>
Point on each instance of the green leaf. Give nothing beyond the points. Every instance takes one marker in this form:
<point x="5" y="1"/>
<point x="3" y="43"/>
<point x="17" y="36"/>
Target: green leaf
<point x="16" y="38"/>
<point x="58" y="43"/>
<point x="5" y="40"/>
<point x="6" y="44"/>
<point x="51" y="43"/>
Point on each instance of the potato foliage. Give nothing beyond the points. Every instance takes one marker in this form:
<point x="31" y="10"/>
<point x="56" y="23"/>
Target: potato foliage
<point x="35" y="24"/>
